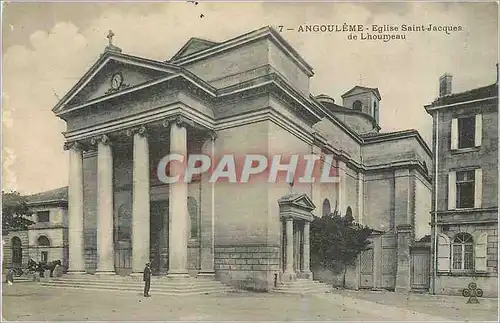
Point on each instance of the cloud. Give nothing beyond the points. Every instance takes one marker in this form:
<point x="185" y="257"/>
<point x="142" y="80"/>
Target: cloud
<point x="42" y="70"/>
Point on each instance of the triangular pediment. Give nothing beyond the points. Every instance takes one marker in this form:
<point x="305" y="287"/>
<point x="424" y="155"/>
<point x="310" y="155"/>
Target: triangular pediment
<point x="192" y="46"/>
<point x="300" y="200"/>
<point x="111" y="74"/>
<point x="361" y="89"/>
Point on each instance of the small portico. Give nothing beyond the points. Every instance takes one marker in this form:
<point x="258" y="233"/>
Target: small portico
<point x="296" y="216"/>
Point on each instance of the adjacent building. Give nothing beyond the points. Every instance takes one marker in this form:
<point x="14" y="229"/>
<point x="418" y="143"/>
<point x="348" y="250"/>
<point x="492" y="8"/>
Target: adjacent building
<point x="47" y="239"/>
<point x="465" y="189"/>
<point x="246" y="95"/>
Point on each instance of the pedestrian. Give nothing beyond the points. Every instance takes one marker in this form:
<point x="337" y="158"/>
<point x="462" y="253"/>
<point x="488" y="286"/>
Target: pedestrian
<point x="9" y="278"/>
<point x="147" y="279"/>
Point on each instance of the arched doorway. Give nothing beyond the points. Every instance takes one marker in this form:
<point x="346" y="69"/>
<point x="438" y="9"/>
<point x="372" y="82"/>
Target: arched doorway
<point x="17" y="252"/>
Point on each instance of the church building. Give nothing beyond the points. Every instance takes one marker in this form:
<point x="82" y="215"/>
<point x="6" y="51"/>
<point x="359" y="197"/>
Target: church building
<point x="241" y="96"/>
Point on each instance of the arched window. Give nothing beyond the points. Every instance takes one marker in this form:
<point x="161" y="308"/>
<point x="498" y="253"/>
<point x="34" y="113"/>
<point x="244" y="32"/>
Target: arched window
<point x="463" y="252"/>
<point x="17" y="252"/>
<point x="357" y="105"/>
<point x="326" y="207"/>
<point x="43" y="241"/>
<point x="193" y="217"/>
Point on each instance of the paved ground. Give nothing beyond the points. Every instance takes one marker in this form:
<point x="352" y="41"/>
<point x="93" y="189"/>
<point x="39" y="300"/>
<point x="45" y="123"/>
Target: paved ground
<point x="31" y="301"/>
<point x="452" y="307"/>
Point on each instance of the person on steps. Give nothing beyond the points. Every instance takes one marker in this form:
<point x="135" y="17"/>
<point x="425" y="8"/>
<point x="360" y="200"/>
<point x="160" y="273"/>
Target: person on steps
<point x="147" y="279"/>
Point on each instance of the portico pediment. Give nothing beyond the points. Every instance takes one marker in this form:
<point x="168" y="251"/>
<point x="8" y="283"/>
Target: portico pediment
<point x="114" y="77"/>
<point x="116" y="73"/>
<point x="296" y="205"/>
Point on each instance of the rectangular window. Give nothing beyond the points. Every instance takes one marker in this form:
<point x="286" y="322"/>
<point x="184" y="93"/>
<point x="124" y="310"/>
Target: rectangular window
<point x="457" y="256"/>
<point x="44" y="256"/>
<point x="43" y="216"/>
<point x="465" y="181"/>
<point x="468" y="257"/>
<point x="466" y="132"/>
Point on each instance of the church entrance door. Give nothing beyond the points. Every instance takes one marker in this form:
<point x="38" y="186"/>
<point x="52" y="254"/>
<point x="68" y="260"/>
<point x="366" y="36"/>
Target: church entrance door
<point x="159" y="237"/>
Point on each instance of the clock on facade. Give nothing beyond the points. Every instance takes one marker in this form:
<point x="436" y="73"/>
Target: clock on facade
<point x="116" y="81"/>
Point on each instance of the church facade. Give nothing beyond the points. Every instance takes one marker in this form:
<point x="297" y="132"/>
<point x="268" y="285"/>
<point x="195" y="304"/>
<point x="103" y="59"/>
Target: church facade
<point x="246" y="95"/>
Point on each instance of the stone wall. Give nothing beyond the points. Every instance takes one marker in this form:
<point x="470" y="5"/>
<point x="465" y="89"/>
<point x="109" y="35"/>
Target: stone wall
<point x="247" y="267"/>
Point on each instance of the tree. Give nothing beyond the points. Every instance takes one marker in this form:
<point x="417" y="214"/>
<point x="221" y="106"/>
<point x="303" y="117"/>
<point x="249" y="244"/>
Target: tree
<point x="15" y="212"/>
<point x="337" y="241"/>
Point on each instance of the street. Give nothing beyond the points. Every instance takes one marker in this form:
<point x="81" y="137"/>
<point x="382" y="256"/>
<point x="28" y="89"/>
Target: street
<point x="26" y="301"/>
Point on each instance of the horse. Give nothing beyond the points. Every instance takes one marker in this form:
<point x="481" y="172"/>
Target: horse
<point x="41" y="267"/>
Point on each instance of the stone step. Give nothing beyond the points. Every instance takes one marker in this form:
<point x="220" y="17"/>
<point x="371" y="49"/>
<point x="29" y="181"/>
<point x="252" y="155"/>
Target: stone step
<point x="138" y="286"/>
<point x="163" y="282"/>
<point x="303" y="286"/>
<point x="137" y="290"/>
<point x="160" y="285"/>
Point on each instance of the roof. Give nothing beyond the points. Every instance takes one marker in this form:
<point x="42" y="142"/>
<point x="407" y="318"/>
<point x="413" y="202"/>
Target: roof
<point x="193" y="45"/>
<point x="370" y="89"/>
<point x="484" y="92"/>
<point x="57" y="195"/>
<point x="264" y="32"/>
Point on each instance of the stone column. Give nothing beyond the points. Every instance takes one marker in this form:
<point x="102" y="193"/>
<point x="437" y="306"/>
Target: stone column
<point x="178" y="211"/>
<point x="75" y="209"/>
<point x="208" y="216"/>
<point x="289" y="248"/>
<point x="105" y="250"/>
<point x="307" y="255"/>
<point x="341" y="191"/>
<point x="140" y="200"/>
<point x="403" y="258"/>
<point x="316" y="186"/>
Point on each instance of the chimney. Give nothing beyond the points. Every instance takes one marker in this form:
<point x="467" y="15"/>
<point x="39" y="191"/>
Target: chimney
<point x="445" y="85"/>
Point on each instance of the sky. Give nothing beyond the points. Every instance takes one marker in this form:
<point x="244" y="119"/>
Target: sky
<point x="47" y="47"/>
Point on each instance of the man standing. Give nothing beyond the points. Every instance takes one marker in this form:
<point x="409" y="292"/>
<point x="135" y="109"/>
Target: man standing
<point x="147" y="279"/>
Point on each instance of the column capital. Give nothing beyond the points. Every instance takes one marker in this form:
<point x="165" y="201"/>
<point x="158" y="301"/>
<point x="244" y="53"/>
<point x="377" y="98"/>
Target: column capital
<point x="179" y="120"/>
<point x="73" y="145"/>
<point x="100" y="139"/>
<point x="141" y="130"/>
<point x="212" y="135"/>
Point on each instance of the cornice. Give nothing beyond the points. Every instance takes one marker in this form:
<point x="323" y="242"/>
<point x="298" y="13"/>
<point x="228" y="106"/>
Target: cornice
<point x="398" y="135"/>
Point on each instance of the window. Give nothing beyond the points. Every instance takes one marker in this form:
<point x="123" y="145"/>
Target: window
<point x="326" y="207"/>
<point x="466" y="132"/>
<point x="357" y="105"/>
<point x="463" y="252"/>
<point x="43" y="216"/>
<point x="44" y="257"/>
<point x="43" y="241"/>
<point x="465" y="189"/>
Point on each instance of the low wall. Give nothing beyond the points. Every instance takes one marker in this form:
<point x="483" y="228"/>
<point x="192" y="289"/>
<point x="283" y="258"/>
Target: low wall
<point x="453" y="285"/>
<point x="248" y="267"/>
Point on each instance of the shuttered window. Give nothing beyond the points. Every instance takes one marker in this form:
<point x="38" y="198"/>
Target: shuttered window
<point x="443" y="253"/>
<point x="466" y="132"/>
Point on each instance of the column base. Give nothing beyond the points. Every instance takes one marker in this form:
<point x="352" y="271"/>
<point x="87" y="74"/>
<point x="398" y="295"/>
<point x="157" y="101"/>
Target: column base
<point x="206" y="274"/>
<point x="76" y="272"/>
<point x="177" y="275"/>
<point x="306" y="275"/>
<point x="289" y="276"/>
<point x="105" y="273"/>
